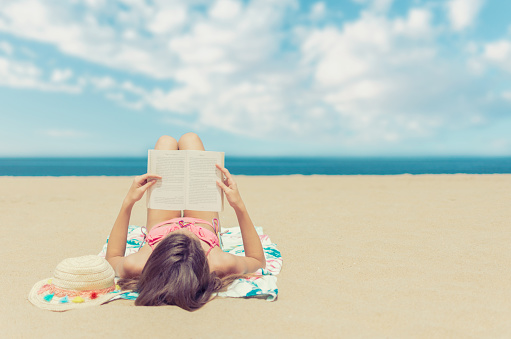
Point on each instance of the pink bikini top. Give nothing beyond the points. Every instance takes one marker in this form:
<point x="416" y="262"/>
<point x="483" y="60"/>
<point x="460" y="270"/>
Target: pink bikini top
<point x="161" y="230"/>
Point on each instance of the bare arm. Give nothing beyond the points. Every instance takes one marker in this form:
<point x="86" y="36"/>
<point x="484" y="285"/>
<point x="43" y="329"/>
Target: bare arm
<point x="118" y="236"/>
<point x="254" y="254"/>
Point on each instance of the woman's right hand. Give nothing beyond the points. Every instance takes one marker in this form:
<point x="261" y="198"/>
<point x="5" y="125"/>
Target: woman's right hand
<point x="139" y="186"/>
<point x="230" y="188"/>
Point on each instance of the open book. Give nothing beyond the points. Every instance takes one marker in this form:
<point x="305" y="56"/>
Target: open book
<point x="188" y="180"/>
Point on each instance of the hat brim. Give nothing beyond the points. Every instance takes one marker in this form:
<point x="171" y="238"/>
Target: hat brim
<point x="53" y="305"/>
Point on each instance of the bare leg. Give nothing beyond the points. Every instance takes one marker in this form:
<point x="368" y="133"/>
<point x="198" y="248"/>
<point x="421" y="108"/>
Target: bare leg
<point x="191" y="141"/>
<point x="157" y="216"/>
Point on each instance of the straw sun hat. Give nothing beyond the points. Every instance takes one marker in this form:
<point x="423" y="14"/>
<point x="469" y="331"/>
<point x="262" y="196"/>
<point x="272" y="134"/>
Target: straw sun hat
<point x="77" y="283"/>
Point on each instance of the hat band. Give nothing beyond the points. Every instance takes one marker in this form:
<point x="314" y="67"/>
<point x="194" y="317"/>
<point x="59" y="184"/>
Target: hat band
<point x="60" y="292"/>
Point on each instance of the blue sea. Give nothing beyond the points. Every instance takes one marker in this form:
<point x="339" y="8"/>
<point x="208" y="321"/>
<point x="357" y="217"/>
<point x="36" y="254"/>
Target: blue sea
<point x="260" y="166"/>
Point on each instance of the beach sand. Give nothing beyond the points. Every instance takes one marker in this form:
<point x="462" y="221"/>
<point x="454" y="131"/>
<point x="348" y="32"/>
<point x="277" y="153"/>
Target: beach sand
<point x="405" y="256"/>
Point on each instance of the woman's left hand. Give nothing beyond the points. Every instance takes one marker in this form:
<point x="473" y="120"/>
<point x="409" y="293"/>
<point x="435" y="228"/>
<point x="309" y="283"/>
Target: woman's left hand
<point x="230" y="188"/>
<point x="139" y="186"/>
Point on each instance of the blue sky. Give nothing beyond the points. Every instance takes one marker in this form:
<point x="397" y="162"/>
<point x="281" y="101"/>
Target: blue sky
<point x="261" y="77"/>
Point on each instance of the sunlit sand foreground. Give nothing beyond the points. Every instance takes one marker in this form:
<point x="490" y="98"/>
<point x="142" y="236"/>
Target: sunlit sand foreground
<point x="364" y="256"/>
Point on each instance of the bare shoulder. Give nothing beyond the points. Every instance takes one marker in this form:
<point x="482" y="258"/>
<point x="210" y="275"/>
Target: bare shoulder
<point x="133" y="264"/>
<point x="223" y="263"/>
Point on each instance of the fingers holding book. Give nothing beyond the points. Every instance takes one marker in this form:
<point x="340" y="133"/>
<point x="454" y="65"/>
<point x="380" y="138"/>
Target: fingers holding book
<point x="230" y="188"/>
<point x="139" y="186"/>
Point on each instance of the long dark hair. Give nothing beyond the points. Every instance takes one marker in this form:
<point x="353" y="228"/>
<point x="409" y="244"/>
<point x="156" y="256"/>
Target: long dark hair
<point x="177" y="273"/>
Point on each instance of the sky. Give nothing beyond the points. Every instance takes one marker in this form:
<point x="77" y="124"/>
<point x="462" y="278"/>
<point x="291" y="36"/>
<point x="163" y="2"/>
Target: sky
<point x="256" y="78"/>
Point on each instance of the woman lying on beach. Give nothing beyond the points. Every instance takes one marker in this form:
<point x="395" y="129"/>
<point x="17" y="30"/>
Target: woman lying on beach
<point x="181" y="263"/>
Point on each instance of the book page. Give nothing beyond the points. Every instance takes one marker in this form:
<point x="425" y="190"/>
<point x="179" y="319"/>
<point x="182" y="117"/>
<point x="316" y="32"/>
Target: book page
<point x="169" y="192"/>
<point x="203" y="193"/>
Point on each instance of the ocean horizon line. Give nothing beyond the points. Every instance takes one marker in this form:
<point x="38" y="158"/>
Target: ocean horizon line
<point x="268" y="165"/>
<point x="419" y="157"/>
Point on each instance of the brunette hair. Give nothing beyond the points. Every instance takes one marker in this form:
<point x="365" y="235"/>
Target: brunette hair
<point x="177" y="273"/>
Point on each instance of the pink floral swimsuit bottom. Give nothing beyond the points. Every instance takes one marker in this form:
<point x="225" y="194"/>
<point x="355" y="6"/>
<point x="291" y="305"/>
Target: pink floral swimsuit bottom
<point x="161" y="230"/>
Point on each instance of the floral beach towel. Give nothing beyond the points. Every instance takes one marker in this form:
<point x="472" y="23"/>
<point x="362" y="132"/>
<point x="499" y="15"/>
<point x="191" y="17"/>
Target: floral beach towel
<point x="262" y="285"/>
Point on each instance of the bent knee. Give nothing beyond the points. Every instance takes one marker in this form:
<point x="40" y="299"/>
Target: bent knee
<point x="189" y="137"/>
<point x="166" y="142"/>
<point x="190" y="140"/>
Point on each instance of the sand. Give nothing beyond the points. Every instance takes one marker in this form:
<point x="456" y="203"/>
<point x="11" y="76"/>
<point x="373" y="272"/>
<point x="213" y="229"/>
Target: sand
<point x="364" y="256"/>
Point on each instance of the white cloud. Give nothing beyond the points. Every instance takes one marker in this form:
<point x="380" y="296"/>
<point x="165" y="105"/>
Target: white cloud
<point x="95" y="3"/>
<point x="382" y="5"/>
<point x="318" y="11"/>
<point x="225" y="9"/>
<point x="102" y="83"/>
<point x="368" y="46"/>
<point x="125" y="93"/>
<point x="417" y="24"/>
<point x="94" y="40"/>
<point x="507" y="95"/>
<point x="385" y="79"/>
<point x="6" y="48"/>
<point x="236" y="66"/>
<point x="168" y="20"/>
<point x="378" y="6"/>
<point x="462" y="13"/>
<point x="19" y="74"/>
<point x="499" y="54"/>
<point x="61" y="75"/>
<point x="64" y="133"/>
<point x="220" y="61"/>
